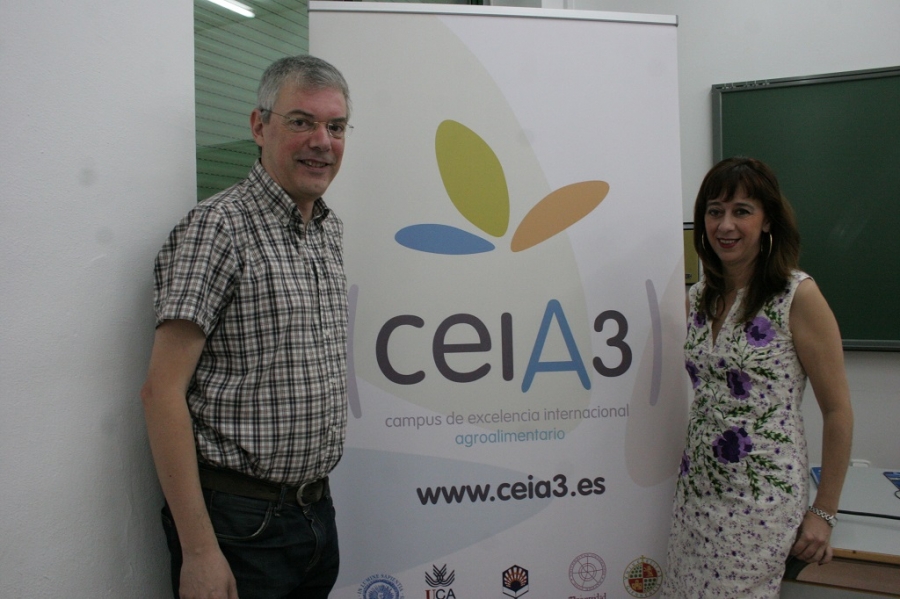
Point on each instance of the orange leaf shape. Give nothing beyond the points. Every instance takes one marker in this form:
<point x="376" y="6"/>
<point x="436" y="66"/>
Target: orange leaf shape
<point x="557" y="212"/>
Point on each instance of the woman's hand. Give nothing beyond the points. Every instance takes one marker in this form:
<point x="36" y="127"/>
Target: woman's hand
<point x="813" y="541"/>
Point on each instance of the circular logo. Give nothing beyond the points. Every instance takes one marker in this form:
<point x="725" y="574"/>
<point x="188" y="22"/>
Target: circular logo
<point x="643" y="577"/>
<point x="587" y="571"/>
<point x="381" y="587"/>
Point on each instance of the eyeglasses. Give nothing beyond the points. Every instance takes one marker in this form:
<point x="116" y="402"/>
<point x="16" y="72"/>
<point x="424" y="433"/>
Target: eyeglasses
<point x="299" y="124"/>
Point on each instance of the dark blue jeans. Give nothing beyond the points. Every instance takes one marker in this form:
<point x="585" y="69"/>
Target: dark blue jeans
<point x="276" y="550"/>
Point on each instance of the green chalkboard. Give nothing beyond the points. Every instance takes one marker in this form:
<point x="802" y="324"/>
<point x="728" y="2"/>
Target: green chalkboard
<point x="834" y="142"/>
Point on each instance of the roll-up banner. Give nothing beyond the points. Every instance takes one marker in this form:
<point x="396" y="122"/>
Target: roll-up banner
<point x="513" y="246"/>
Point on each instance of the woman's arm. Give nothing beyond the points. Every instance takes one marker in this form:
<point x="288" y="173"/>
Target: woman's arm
<point x="817" y="341"/>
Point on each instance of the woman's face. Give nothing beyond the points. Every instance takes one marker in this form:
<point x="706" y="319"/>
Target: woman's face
<point x="734" y="228"/>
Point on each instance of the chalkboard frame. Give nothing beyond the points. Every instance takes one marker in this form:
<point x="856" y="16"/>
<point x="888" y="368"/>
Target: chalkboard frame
<point x="886" y="338"/>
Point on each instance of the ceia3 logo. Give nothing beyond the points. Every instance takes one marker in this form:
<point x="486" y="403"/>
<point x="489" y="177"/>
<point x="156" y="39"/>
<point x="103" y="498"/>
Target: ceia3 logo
<point x="456" y="310"/>
<point x="474" y="180"/>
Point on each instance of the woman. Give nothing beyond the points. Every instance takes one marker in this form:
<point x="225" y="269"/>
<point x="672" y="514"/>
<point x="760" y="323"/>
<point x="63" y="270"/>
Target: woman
<point x="757" y="328"/>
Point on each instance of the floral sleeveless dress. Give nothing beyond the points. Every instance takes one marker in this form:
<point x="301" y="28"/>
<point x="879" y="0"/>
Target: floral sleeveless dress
<point x="742" y="490"/>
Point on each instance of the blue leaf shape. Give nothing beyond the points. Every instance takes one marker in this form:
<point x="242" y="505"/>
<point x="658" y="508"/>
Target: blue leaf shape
<point x="442" y="239"/>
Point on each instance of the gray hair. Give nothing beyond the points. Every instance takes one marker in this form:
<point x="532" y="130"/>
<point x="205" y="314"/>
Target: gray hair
<point x="305" y="71"/>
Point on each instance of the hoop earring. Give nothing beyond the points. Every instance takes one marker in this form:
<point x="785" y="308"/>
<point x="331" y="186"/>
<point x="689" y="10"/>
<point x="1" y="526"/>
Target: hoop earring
<point x="703" y="241"/>
<point x="771" y="241"/>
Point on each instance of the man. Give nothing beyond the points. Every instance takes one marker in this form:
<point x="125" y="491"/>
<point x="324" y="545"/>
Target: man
<point x="245" y="398"/>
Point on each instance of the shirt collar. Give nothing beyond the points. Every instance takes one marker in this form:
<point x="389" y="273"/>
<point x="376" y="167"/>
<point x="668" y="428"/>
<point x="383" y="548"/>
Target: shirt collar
<point x="273" y="197"/>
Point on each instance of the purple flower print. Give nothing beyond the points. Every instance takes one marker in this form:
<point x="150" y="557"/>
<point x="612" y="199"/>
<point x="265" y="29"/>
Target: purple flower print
<point x="699" y="319"/>
<point x="685" y="465"/>
<point x="693" y="371"/>
<point x="760" y="332"/>
<point x="739" y="383"/>
<point x="732" y="445"/>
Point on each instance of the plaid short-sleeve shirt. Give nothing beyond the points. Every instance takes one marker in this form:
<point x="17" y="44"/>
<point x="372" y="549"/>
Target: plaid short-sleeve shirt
<point x="269" y="395"/>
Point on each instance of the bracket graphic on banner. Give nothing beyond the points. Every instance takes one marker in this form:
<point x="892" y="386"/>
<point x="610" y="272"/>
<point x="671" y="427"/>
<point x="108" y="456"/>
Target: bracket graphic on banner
<point x="511" y="200"/>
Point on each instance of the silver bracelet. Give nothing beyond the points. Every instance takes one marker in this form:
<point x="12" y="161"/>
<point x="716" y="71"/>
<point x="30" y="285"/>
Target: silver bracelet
<point x="831" y="520"/>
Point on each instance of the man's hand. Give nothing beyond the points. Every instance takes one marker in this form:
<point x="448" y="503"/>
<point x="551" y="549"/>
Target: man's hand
<point x="812" y="544"/>
<point x="207" y="576"/>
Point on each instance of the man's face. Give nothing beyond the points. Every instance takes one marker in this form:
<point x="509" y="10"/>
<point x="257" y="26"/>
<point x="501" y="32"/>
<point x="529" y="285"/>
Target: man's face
<point x="304" y="164"/>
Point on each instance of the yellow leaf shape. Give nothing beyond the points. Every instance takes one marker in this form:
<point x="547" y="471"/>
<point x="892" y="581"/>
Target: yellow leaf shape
<point x="557" y="212"/>
<point x="473" y="177"/>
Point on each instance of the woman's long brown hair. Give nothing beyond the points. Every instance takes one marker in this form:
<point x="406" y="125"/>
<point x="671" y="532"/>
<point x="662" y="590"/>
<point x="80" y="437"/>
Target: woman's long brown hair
<point x="776" y="260"/>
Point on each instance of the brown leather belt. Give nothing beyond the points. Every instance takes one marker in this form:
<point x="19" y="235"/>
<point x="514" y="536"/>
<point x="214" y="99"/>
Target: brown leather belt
<point x="229" y="481"/>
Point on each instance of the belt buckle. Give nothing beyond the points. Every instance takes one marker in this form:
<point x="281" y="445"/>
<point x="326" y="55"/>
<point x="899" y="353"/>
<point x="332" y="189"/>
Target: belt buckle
<point x="303" y="488"/>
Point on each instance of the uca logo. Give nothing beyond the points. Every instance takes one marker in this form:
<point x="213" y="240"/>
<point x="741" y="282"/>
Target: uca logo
<point x="440" y="578"/>
<point x="474" y="180"/>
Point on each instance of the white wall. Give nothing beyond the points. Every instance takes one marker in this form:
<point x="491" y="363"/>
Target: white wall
<point x="722" y="41"/>
<point x="97" y="164"/>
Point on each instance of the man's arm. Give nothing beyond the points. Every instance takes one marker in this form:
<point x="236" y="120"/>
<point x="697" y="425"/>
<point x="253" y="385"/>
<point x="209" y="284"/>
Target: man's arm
<point x="205" y="573"/>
